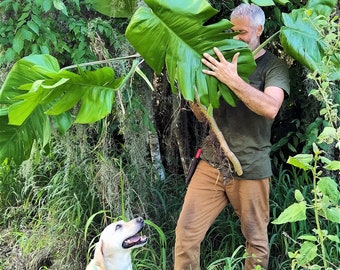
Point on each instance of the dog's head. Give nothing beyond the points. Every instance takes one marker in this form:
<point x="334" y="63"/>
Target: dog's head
<point x="115" y="245"/>
<point x="122" y="235"/>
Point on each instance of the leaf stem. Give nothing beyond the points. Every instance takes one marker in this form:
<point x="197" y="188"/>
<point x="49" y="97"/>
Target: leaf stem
<point x="262" y="45"/>
<point x="219" y="135"/>
<point x="316" y="212"/>
<point x="102" y="61"/>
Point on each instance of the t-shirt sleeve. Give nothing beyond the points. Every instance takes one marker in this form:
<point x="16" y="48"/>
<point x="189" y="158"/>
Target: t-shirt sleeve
<point x="278" y="76"/>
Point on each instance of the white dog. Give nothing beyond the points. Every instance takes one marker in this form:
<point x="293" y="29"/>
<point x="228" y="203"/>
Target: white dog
<point x="113" y="251"/>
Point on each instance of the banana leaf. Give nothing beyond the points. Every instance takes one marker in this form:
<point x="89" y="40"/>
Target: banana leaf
<point x="175" y="34"/>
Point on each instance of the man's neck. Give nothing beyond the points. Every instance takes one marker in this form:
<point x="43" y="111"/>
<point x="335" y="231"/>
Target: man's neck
<point x="260" y="53"/>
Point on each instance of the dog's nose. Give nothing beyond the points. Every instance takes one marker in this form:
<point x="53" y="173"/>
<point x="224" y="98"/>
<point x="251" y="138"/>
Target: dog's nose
<point x="140" y="220"/>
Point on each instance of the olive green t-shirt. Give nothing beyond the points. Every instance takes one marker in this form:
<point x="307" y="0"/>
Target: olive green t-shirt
<point x="247" y="133"/>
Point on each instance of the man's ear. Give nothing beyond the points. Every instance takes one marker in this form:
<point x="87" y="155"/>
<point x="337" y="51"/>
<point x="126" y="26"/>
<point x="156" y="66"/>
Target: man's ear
<point x="259" y="30"/>
<point x="98" y="256"/>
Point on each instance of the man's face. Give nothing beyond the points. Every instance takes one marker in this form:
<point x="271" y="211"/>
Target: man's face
<point x="248" y="33"/>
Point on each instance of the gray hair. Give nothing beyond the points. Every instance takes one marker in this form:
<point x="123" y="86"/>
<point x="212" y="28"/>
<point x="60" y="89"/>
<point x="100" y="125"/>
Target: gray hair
<point x="255" y="13"/>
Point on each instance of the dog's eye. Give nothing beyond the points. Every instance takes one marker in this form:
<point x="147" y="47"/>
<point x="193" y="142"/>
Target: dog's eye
<point x="118" y="226"/>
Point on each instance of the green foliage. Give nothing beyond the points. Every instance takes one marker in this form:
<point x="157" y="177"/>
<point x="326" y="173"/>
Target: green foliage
<point x="70" y="188"/>
<point x="64" y="29"/>
<point x="325" y="203"/>
<point x="50" y="91"/>
<point x="48" y="212"/>
<point x="20" y="139"/>
<point x="229" y="263"/>
<point x="326" y="91"/>
<point x="150" y="257"/>
<point x="301" y="28"/>
<point x="114" y="8"/>
<point x="179" y="40"/>
<point x="319" y="246"/>
<point x="325" y="192"/>
<point x="10" y="187"/>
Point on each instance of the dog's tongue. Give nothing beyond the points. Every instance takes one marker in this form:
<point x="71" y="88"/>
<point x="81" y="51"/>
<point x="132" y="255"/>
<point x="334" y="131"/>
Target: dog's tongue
<point x="134" y="240"/>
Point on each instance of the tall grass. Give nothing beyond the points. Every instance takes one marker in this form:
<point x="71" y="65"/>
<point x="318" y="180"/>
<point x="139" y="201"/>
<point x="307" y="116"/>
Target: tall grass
<point x="55" y="206"/>
<point x="282" y="195"/>
<point x="51" y="204"/>
<point x="55" y="198"/>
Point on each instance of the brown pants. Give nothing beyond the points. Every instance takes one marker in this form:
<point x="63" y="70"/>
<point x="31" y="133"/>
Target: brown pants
<point x="206" y="197"/>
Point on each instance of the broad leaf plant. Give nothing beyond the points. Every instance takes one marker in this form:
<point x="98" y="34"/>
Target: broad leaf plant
<point x="171" y="36"/>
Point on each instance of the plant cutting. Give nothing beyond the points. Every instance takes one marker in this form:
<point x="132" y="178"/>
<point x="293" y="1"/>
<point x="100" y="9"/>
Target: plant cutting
<point x="180" y="35"/>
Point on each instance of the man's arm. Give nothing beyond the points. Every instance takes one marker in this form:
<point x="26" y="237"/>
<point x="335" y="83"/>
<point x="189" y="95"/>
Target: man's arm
<point x="265" y="103"/>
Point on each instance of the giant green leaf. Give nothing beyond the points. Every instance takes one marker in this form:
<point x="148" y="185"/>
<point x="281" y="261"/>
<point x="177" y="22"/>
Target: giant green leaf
<point x="26" y="71"/>
<point x="175" y="34"/>
<point x="36" y="88"/>
<point x="58" y="90"/>
<point x="302" y="39"/>
<point x="16" y="141"/>
<point x="94" y="90"/>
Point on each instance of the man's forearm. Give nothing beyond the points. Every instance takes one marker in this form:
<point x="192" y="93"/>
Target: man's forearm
<point x="265" y="103"/>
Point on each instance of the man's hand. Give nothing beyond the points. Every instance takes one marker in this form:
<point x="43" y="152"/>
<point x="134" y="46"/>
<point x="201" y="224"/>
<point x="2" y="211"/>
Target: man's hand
<point x="266" y="103"/>
<point x="224" y="71"/>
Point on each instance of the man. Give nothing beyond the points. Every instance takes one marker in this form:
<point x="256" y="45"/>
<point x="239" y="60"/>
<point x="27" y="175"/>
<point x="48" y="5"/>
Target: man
<point x="247" y="129"/>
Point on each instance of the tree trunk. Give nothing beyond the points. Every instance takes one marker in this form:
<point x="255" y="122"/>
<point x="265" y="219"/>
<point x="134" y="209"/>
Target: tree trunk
<point x="179" y="132"/>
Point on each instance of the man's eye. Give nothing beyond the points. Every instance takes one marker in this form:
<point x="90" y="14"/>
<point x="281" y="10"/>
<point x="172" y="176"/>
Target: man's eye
<point x="239" y="31"/>
<point x="118" y="226"/>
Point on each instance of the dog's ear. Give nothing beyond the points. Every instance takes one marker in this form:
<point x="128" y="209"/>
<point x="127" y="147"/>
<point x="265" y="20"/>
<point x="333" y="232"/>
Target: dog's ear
<point x="98" y="256"/>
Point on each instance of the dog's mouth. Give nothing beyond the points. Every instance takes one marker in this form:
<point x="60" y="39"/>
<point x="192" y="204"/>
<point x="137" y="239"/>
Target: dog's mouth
<point x="135" y="240"/>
